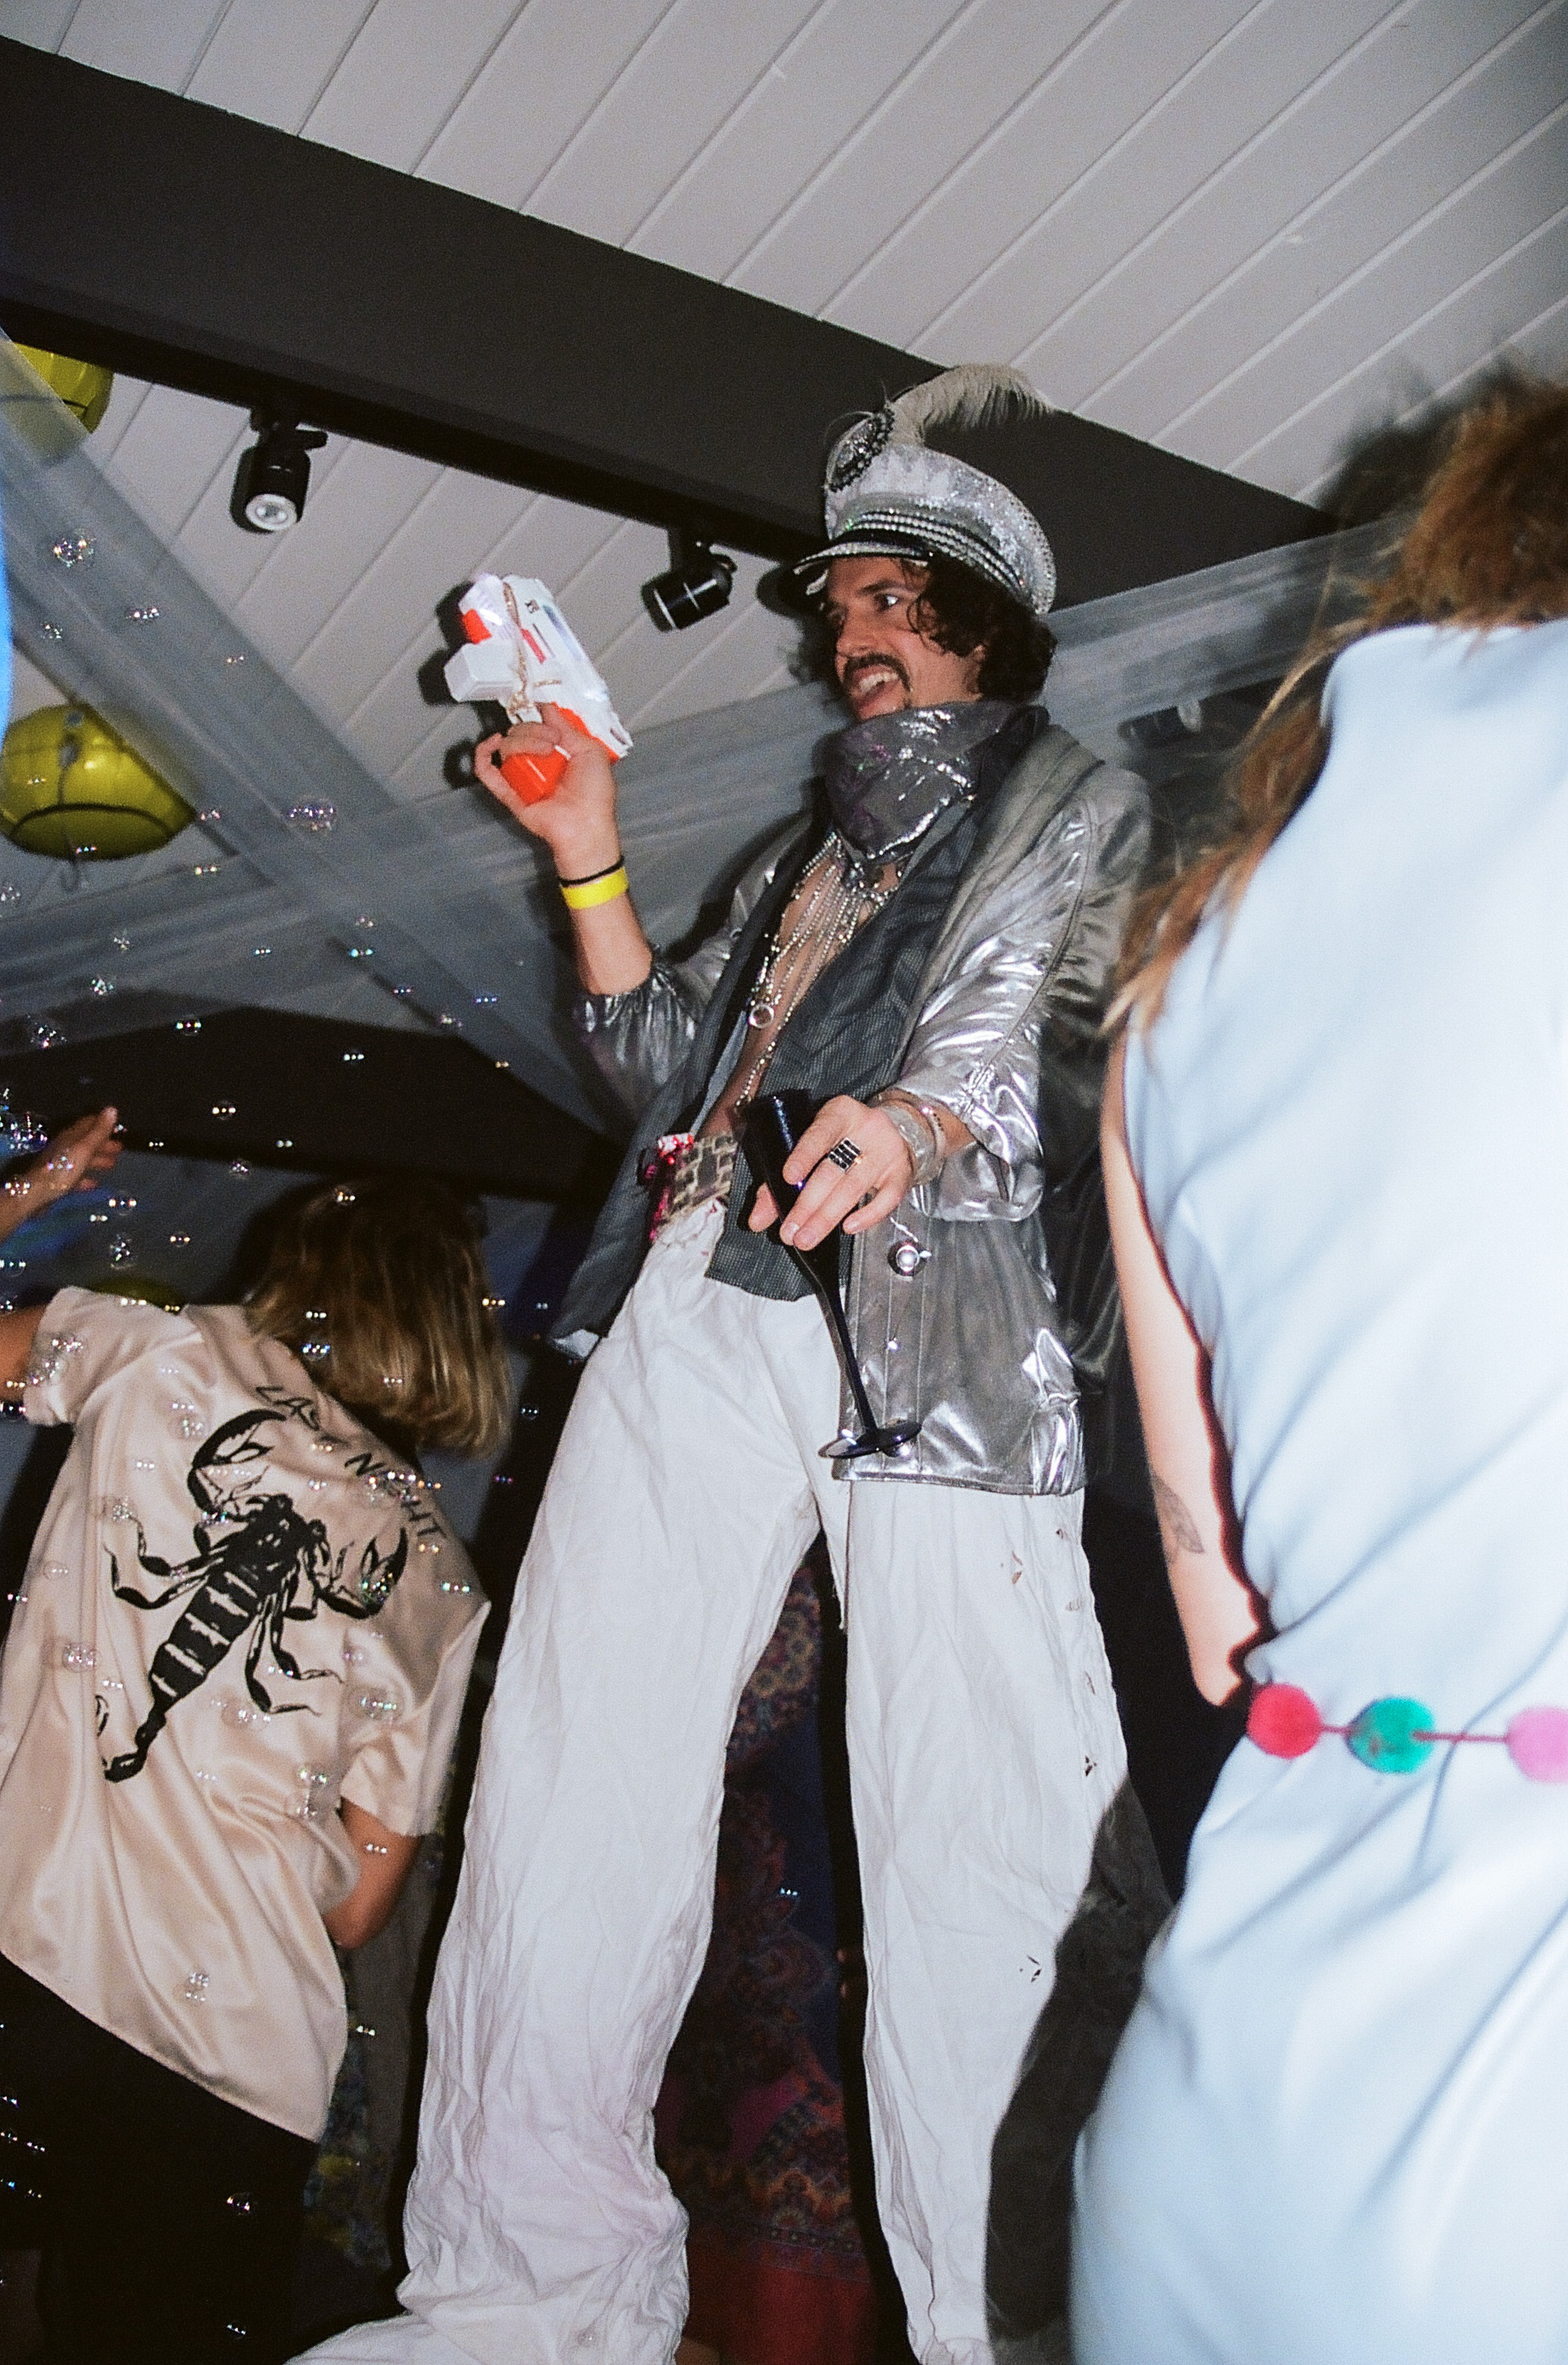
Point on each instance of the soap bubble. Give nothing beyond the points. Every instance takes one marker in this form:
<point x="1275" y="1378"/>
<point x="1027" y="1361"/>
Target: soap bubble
<point x="239" y="1169"/>
<point x="314" y="816"/>
<point x="74" y="550"/>
<point x="122" y="1250"/>
<point x="100" y="986"/>
<point x="22" y="1133"/>
<point x="353" y="1059"/>
<point x="195" y="1986"/>
<point x="179" y="1239"/>
<point x="10" y="892"/>
<point x="49" y="1357"/>
<point x="120" y="941"/>
<point x="188" y="1025"/>
<point x="143" y="613"/>
<point x="224" y="1109"/>
<point x="242" y="2203"/>
<point x="43" y="1037"/>
<point x="80" y="1657"/>
<point x="380" y="1707"/>
<point x="52" y="632"/>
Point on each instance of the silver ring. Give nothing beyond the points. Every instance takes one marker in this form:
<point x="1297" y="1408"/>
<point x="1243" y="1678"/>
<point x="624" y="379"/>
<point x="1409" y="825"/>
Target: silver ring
<point x="844" y="1154"/>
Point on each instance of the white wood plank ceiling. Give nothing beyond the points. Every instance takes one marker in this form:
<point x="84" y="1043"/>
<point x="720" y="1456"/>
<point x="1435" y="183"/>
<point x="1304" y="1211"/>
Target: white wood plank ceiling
<point x="1248" y="231"/>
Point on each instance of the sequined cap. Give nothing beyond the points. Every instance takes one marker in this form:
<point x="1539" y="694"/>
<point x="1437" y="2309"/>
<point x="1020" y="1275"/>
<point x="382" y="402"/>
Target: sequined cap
<point x="888" y="493"/>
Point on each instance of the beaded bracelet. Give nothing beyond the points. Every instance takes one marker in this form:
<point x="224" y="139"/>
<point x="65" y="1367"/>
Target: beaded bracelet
<point x="1397" y="1736"/>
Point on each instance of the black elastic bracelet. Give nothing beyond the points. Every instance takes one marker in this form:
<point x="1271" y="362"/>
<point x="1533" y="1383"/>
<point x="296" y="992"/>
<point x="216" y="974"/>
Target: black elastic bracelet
<point x="589" y="877"/>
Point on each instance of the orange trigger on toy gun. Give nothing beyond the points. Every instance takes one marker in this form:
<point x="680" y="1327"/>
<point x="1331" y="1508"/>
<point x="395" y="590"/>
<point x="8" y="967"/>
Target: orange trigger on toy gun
<point x="534" y="778"/>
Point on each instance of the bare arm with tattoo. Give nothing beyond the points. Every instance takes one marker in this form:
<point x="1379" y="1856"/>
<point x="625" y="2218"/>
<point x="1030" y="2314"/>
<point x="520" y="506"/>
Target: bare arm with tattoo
<point x="1187" y="1458"/>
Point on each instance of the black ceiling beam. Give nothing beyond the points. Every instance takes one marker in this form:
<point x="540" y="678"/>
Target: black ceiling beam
<point x="202" y="250"/>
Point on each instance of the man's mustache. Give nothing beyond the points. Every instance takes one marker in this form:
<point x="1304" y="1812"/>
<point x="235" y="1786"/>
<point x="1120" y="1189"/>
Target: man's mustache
<point x="854" y="666"/>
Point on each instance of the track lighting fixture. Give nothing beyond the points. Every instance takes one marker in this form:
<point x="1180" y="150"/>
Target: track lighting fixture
<point x="273" y="475"/>
<point x="696" y="585"/>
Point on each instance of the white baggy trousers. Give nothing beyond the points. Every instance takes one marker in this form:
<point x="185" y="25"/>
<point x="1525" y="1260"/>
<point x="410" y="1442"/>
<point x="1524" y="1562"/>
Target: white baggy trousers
<point x="983" y="1748"/>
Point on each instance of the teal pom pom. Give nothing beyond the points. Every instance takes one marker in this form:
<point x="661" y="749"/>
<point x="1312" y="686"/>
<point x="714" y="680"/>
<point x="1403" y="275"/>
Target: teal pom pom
<point x="1385" y="1735"/>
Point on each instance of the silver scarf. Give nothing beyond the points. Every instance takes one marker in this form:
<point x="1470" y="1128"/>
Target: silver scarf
<point x="887" y="778"/>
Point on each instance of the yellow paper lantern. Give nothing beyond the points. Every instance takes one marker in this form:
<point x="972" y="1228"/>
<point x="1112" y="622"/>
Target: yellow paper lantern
<point x="71" y="786"/>
<point x="82" y="387"/>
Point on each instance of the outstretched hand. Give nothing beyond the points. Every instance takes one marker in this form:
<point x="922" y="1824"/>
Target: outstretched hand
<point x="858" y="1196"/>
<point x="76" y="1159"/>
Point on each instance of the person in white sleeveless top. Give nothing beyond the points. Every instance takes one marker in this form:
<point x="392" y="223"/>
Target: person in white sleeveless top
<point x="1337" y="1154"/>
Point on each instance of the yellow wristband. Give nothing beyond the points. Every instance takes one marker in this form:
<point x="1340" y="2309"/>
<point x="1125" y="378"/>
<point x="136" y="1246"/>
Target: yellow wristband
<point x="597" y="890"/>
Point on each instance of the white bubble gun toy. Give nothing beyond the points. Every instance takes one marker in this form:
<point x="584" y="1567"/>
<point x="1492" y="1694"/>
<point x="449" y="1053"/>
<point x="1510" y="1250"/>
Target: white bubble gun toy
<point x="520" y="650"/>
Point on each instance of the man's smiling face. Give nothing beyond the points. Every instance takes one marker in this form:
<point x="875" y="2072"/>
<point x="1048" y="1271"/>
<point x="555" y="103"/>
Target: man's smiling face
<point x="883" y="661"/>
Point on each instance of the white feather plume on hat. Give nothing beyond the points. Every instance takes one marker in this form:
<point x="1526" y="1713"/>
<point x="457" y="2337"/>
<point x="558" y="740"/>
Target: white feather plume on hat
<point x="970" y="395"/>
<point x="887" y="492"/>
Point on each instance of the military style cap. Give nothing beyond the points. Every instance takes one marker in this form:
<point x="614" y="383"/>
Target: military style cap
<point x="888" y="493"/>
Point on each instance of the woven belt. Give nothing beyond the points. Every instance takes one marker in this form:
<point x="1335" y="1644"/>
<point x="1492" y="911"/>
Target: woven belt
<point x="689" y="1172"/>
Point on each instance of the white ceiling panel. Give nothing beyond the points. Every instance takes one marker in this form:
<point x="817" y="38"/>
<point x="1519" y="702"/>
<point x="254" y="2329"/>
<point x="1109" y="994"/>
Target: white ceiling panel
<point x="1388" y="296"/>
<point x="1220" y="265"/>
<point x="1224" y="107"/>
<point x="1436" y="355"/>
<point x="273" y="59"/>
<point x="395" y="86"/>
<point x="662" y="111"/>
<point x="538" y="90"/>
<point x="157" y="41"/>
<point x="988" y="59"/>
<point x="818" y="96"/>
<point x="1097" y="104"/>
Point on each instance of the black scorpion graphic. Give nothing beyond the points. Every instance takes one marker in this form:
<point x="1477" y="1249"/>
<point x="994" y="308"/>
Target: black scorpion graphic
<point x="272" y="1567"/>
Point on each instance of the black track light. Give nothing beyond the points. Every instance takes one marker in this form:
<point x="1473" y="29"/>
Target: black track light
<point x="696" y="585"/>
<point x="273" y="475"/>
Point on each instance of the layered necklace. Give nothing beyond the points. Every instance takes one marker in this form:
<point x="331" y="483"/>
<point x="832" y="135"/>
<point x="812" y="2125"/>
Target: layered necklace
<point x="836" y="896"/>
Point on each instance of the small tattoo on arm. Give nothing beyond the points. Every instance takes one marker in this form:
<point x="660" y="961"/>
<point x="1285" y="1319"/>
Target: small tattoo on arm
<point x="1178" y="1529"/>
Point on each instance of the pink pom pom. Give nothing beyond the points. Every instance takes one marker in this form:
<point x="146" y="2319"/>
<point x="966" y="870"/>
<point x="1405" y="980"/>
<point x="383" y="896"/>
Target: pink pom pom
<point x="1282" y="1721"/>
<point x="1538" y="1744"/>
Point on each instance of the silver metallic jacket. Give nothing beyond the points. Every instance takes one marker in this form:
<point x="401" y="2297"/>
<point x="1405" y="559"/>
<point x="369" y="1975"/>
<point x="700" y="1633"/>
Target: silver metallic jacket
<point x="1004" y="1033"/>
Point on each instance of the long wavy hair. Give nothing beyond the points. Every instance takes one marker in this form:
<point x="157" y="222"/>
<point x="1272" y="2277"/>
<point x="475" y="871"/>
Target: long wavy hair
<point x="1488" y="547"/>
<point x="377" y="1284"/>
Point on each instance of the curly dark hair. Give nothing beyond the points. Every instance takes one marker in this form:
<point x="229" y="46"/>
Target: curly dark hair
<point x="960" y="611"/>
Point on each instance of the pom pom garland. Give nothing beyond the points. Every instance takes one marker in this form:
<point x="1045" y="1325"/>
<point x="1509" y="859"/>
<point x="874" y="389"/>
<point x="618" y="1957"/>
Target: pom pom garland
<point x="1397" y="1735"/>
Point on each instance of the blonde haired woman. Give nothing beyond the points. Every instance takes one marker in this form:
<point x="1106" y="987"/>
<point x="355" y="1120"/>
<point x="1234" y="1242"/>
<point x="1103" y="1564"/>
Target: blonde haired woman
<point x="226" y="1706"/>
<point x="1337" y="1154"/>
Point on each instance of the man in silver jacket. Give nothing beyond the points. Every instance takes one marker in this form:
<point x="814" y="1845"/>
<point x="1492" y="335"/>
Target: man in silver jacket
<point x="929" y="955"/>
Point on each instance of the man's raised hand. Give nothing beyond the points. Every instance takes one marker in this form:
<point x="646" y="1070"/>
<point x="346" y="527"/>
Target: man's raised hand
<point x="577" y="822"/>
